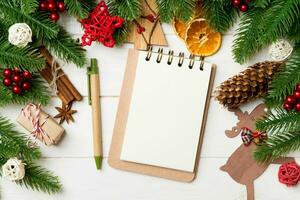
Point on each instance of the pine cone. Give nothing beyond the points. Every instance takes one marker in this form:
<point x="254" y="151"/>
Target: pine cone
<point x="248" y="85"/>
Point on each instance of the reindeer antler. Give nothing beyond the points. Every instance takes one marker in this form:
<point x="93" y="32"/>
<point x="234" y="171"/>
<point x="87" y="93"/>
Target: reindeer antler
<point x="238" y="112"/>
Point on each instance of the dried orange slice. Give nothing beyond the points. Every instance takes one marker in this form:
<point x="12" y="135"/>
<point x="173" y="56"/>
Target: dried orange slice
<point x="180" y="28"/>
<point x="200" y="39"/>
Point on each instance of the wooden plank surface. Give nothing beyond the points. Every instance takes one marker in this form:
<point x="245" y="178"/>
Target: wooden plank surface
<point x="73" y="160"/>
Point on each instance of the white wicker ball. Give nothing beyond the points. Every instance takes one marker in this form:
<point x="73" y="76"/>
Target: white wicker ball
<point x="280" y="50"/>
<point x="13" y="169"/>
<point x="19" y="34"/>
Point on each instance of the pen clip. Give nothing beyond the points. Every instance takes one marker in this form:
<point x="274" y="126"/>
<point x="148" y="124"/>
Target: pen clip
<point x="93" y="69"/>
<point x="89" y="85"/>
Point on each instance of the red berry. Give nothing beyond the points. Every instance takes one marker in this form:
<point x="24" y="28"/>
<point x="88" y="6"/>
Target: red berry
<point x="16" y="89"/>
<point x="61" y="6"/>
<point x="244" y="8"/>
<point x="290" y="99"/>
<point x="297" y="95"/>
<point x="26" y="86"/>
<point x="236" y="3"/>
<point x="141" y="29"/>
<point x="7" y="81"/>
<point x="54" y="16"/>
<point x="27" y="75"/>
<point x="248" y="1"/>
<point x="16" y="78"/>
<point x="51" y="6"/>
<point x="150" y="17"/>
<point x="7" y="72"/>
<point x="16" y="70"/>
<point x="297" y="87"/>
<point x="287" y="106"/>
<point x="43" y="6"/>
<point x="297" y="107"/>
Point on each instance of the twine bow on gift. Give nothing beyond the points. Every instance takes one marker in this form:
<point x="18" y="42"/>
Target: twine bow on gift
<point x="55" y="74"/>
<point x="38" y="131"/>
<point x="248" y="136"/>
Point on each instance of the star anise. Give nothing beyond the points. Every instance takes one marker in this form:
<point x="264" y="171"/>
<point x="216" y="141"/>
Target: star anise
<point x="65" y="113"/>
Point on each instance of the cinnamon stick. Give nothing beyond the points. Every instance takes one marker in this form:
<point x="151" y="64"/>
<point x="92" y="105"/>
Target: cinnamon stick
<point x="63" y="92"/>
<point x="63" y="78"/>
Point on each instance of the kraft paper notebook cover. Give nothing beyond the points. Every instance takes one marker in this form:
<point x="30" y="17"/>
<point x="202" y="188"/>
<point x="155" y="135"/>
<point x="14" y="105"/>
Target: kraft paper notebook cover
<point x="161" y="115"/>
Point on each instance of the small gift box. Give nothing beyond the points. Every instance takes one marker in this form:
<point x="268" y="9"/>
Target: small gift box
<point x="40" y="124"/>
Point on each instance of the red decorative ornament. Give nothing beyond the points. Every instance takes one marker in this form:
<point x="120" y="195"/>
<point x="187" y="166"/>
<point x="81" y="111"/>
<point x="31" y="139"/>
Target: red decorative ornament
<point x="27" y="75"/>
<point x="7" y="72"/>
<point x="297" y="107"/>
<point x="100" y="26"/>
<point x="297" y="95"/>
<point x="16" y="89"/>
<point x="289" y="174"/>
<point x="54" y="16"/>
<point x="290" y="99"/>
<point x="141" y="29"/>
<point x="16" y="78"/>
<point x="7" y="82"/>
<point x="51" y="6"/>
<point x="43" y="6"/>
<point x="61" y="6"/>
<point x="26" y="86"/>
<point x="236" y="3"/>
<point x="150" y="17"/>
<point x="287" y="106"/>
<point x="244" y="8"/>
<point x="297" y="87"/>
<point x="16" y="70"/>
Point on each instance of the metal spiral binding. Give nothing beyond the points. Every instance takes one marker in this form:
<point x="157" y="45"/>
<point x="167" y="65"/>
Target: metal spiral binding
<point x="171" y="56"/>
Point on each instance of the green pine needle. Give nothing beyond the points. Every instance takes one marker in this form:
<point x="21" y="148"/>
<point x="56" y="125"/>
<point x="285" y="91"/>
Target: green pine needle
<point x="278" y="120"/>
<point x="66" y="48"/>
<point x="38" y="93"/>
<point x="40" y="179"/>
<point x="247" y="40"/>
<point x="181" y="9"/>
<point x="121" y="34"/>
<point x="220" y="14"/>
<point x="127" y="9"/>
<point x="25" y="58"/>
<point x="39" y="23"/>
<point x="277" y="146"/>
<point x="28" y="6"/>
<point x="14" y="144"/>
<point x="284" y="82"/>
<point x="80" y="8"/>
<point x="261" y="3"/>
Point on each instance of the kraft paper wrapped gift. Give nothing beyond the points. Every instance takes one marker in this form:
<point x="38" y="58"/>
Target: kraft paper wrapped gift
<point x="40" y="124"/>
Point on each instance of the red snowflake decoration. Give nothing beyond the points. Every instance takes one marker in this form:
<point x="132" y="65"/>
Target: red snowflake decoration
<point x="100" y="26"/>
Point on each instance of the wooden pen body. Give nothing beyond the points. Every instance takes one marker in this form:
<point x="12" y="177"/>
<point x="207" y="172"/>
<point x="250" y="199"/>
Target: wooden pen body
<point x="96" y="114"/>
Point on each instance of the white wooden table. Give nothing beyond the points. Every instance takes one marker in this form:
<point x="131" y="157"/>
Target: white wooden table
<point x="72" y="160"/>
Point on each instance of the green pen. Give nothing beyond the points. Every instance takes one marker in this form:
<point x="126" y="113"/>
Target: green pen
<point x="94" y="101"/>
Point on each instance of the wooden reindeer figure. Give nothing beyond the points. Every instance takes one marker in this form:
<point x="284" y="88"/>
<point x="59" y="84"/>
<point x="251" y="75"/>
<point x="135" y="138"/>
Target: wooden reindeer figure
<point x="241" y="166"/>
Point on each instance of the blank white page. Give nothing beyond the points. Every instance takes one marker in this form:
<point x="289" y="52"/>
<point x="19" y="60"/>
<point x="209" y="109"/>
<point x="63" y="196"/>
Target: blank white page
<point x="166" y="113"/>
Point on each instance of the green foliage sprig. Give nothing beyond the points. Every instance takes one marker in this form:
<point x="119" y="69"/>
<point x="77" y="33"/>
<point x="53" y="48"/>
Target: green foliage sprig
<point x="15" y="144"/>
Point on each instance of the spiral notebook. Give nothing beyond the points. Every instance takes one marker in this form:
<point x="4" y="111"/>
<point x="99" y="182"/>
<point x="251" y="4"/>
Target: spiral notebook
<point x="161" y="115"/>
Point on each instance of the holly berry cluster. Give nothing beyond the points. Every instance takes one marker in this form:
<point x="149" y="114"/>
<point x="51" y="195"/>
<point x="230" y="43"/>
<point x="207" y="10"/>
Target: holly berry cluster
<point x="53" y="7"/>
<point x="293" y="101"/>
<point x="242" y="5"/>
<point x="17" y="80"/>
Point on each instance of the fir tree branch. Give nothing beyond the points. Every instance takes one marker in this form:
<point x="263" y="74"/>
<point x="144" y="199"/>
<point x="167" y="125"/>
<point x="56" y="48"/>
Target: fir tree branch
<point x="261" y="3"/>
<point x="247" y="40"/>
<point x="127" y="9"/>
<point x="293" y="34"/>
<point x="220" y="14"/>
<point x="39" y="23"/>
<point x="121" y="34"/>
<point x="279" y="19"/>
<point x="80" y="8"/>
<point x="28" y="6"/>
<point x="278" y="120"/>
<point x="38" y="93"/>
<point x="66" y="48"/>
<point x="181" y="9"/>
<point x="277" y="146"/>
<point x="14" y="144"/>
<point x="284" y="82"/>
<point x="40" y="179"/>
<point x="25" y="58"/>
